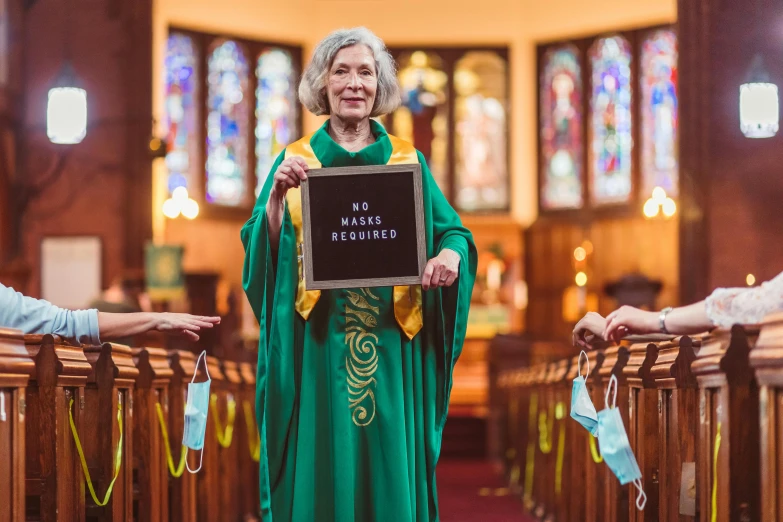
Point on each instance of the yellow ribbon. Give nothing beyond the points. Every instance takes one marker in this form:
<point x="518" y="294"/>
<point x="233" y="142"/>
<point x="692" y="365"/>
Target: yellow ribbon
<point x="714" y="516"/>
<point x="407" y="299"/>
<point x="176" y="472"/>
<point x="530" y="460"/>
<point x="597" y="457"/>
<point x="224" y="435"/>
<point x="545" y="432"/>
<point x="560" y="415"/>
<point x="117" y="456"/>
<point x="253" y="438"/>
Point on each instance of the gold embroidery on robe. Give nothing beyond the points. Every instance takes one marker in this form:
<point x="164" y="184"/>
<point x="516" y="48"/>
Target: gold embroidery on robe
<point x="361" y="362"/>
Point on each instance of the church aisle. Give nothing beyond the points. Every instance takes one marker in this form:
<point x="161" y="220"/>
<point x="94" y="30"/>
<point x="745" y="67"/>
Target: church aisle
<point x="459" y="490"/>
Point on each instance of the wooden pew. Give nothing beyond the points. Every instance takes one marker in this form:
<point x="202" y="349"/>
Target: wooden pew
<point x="591" y="483"/>
<point x="230" y="483"/>
<point x="108" y="398"/>
<point x="250" y="442"/>
<point x="766" y="358"/>
<point x="151" y="503"/>
<point x="182" y="490"/>
<point x="209" y="481"/>
<point x="678" y="422"/>
<point x="55" y="482"/>
<point x="16" y="366"/>
<point x="532" y="394"/>
<point x="643" y="424"/>
<point x="544" y="459"/>
<point x="728" y="409"/>
<point x="559" y="503"/>
<point x="508" y="394"/>
<point x="615" y="496"/>
<point x="577" y="443"/>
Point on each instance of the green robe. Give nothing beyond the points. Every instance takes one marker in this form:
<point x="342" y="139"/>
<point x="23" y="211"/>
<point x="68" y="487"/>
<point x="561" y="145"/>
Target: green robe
<point x="351" y="411"/>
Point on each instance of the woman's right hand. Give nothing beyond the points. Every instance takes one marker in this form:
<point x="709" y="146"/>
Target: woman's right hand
<point x="289" y="174"/>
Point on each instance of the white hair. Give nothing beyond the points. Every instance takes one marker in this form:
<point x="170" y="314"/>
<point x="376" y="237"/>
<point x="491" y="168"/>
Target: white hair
<point x="312" y="89"/>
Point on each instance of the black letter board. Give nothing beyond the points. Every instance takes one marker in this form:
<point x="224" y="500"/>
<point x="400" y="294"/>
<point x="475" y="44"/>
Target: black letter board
<point x="363" y="227"/>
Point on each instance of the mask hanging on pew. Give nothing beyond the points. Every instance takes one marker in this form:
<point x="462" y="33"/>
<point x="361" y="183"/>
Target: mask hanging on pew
<point x="615" y="447"/>
<point x="582" y="409"/>
<point x="196" y="409"/>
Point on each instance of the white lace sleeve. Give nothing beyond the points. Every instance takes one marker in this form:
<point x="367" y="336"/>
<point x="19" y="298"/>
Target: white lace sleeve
<point x="729" y="306"/>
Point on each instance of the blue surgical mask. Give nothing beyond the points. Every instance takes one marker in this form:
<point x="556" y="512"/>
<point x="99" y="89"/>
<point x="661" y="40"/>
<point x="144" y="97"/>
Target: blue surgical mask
<point x="582" y="409"/>
<point x="196" y="410"/>
<point x="615" y="448"/>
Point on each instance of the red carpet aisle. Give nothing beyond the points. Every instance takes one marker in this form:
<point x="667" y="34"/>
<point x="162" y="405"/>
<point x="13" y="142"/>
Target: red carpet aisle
<point x="459" y="484"/>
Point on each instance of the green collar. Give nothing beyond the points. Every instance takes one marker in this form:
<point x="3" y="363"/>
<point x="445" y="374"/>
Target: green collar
<point x="330" y="154"/>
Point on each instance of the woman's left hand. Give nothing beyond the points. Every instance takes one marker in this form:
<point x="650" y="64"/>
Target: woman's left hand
<point x="441" y="271"/>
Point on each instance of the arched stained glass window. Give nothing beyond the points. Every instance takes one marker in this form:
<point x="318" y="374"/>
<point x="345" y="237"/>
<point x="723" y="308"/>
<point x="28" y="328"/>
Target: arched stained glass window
<point x="481" y="141"/>
<point x="660" y="165"/>
<point x="562" y="139"/>
<point x="423" y="117"/>
<point x="276" y="109"/>
<point x="182" y="87"/>
<point x="228" y="120"/>
<point x="610" y="121"/>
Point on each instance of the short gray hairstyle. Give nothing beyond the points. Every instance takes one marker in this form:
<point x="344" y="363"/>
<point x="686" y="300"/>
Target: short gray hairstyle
<point x="312" y="89"/>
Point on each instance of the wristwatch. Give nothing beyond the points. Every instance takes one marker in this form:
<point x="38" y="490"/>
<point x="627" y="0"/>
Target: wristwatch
<point x="662" y="319"/>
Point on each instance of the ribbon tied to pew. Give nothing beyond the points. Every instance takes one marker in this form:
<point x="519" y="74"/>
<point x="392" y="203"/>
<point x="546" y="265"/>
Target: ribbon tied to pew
<point x="253" y="438"/>
<point x="80" y="451"/>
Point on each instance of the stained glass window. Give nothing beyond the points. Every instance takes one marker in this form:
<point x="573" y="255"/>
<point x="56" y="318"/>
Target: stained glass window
<point x="610" y="121"/>
<point x="228" y="117"/>
<point x="561" y="128"/>
<point x="480" y="108"/>
<point x="181" y="110"/>
<point x="276" y="109"/>
<point x="423" y="117"/>
<point x="659" y="113"/>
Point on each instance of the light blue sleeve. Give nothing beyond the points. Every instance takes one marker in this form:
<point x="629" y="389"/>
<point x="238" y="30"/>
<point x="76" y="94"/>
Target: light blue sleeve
<point x="36" y="316"/>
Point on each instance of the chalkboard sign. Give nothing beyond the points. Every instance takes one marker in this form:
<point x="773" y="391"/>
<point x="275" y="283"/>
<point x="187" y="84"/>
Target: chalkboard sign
<point x="363" y="226"/>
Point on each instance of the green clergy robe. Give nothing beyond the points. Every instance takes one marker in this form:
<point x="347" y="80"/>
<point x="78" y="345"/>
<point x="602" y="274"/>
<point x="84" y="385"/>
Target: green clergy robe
<point x="350" y="411"/>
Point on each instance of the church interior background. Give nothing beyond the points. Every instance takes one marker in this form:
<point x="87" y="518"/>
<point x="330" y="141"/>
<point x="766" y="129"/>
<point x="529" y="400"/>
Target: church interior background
<point x="593" y="147"/>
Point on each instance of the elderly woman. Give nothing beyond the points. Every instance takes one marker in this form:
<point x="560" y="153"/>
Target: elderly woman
<point x="353" y="384"/>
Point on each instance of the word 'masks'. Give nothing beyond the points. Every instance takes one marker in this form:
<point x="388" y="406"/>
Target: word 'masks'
<point x="362" y="227"/>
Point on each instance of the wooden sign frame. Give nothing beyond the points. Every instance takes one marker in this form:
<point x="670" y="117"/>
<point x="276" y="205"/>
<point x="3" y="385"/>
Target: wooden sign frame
<point x="407" y="169"/>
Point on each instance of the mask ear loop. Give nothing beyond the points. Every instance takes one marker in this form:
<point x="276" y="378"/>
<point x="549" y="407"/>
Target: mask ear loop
<point x="206" y="368"/>
<point x="203" y="355"/>
<point x="612" y="380"/>
<point x="579" y="363"/>
<point x="641" y="498"/>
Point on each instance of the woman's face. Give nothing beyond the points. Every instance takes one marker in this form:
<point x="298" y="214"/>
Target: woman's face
<point x="352" y="83"/>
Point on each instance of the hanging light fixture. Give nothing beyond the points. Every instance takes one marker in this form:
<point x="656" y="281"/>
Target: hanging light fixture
<point x="759" y="106"/>
<point x="66" y="110"/>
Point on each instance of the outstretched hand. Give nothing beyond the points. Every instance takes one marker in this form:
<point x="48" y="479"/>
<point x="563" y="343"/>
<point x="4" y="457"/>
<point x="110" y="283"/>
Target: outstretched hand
<point x="184" y="324"/>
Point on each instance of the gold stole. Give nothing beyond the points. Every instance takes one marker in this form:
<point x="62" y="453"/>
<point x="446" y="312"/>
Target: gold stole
<point x="407" y="299"/>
